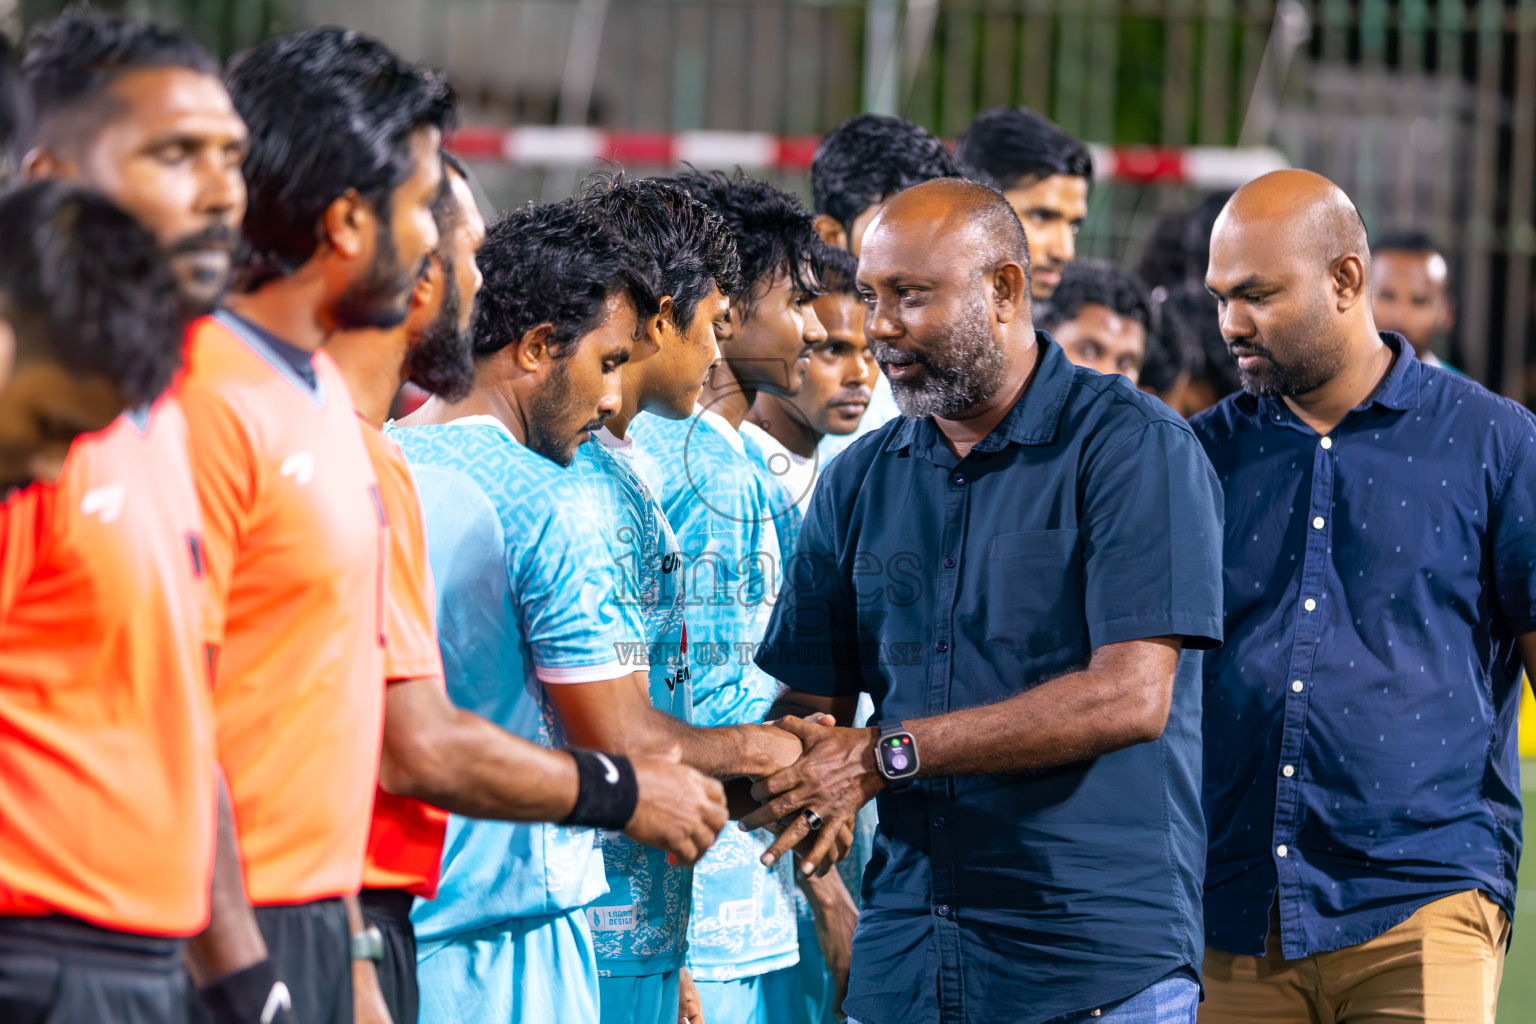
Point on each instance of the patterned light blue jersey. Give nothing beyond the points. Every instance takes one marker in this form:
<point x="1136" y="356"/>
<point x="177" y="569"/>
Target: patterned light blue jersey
<point x="526" y="597"/>
<point x="787" y="517"/>
<point x="640" y="927"/>
<point x="743" y="921"/>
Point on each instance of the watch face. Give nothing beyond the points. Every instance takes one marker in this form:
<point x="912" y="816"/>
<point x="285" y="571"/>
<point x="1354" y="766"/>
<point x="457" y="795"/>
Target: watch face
<point x="897" y="756"/>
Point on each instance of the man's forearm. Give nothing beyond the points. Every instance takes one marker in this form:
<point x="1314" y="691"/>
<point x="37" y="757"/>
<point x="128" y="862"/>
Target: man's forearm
<point x="805" y="705"/>
<point x="729" y="751"/>
<point x="232" y="941"/>
<point x="1121" y="699"/>
<point x="474" y="768"/>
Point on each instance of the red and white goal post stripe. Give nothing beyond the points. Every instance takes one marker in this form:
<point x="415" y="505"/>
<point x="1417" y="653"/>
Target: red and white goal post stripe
<point x="1202" y="166"/>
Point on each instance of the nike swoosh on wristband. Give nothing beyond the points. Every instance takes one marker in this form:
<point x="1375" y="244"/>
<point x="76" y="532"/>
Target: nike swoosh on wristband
<point x="277" y="999"/>
<point x="611" y="776"/>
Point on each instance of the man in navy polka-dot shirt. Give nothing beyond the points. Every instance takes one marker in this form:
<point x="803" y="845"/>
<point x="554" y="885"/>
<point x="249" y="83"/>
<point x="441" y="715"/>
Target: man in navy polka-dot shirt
<point x="1361" y="769"/>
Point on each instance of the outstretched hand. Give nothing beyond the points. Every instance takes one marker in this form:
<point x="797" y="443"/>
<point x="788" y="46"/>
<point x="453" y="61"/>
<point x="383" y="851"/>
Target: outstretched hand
<point x="835" y="776"/>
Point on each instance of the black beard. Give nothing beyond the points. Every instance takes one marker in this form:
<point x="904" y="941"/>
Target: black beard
<point x="547" y="409"/>
<point x="443" y="363"/>
<point x="382" y="298"/>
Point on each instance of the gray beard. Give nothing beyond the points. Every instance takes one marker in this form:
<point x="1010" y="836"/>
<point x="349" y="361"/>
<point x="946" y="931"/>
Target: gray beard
<point x="964" y="369"/>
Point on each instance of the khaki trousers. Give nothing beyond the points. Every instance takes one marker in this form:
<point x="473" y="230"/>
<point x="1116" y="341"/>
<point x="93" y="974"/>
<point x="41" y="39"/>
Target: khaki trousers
<point x="1441" y="966"/>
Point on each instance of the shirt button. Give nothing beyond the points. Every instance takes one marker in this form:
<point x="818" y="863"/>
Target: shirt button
<point x="1327" y="443"/>
<point x="949" y="563"/>
<point x="943" y="909"/>
<point x="1298" y="685"/>
<point x="1288" y="771"/>
<point x="1282" y="850"/>
<point x="958" y="479"/>
<point x="938" y="822"/>
<point x="941" y="646"/>
<point x="1309" y="604"/>
<point x="1318" y="523"/>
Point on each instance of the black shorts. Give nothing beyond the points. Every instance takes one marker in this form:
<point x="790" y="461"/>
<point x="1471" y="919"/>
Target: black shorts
<point x="312" y="947"/>
<point x="61" y="970"/>
<point x="389" y="910"/>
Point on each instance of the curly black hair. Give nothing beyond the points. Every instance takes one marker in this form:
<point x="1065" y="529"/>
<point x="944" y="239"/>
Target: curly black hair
<point x="1101" y="283"/>
<point x="556" y="263"/>
<point x="691" y="245"/>
<point x="1005" y="146"/>
<point x="775" y="234"/>
<point x="84" y="284"/>
<point x="72" y="60"/>
<point x="840" y="272"/>
<point x="1196" y="309"/>
<point x="869" y="158"/>
<point x="330" y="111"/>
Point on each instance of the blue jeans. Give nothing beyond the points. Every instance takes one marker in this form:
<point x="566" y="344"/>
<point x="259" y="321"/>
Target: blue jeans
<point x="1173" y="1000"/>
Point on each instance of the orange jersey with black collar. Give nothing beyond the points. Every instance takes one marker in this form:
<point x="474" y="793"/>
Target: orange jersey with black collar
<point x="405" y="843"/>
<point x="296" y="557"/>
<point x="108" y="777"/>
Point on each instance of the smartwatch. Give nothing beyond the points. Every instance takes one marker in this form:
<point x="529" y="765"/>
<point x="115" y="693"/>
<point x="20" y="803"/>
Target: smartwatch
<point x="368" y="944"/>
<point x="896" y="756"/>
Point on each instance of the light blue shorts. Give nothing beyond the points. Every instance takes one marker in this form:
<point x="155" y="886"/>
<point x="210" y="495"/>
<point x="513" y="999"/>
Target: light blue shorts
<point x="804" y="993"/>
<point x="734" y="1002"/>
<point x="648" y="1000"/>
<point x="529" y="970"/>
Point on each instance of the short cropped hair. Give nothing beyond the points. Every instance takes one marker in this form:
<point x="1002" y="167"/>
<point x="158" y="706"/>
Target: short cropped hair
<point x="72" y="61"/>
<point x="84" y="284"/>
<point x="1006" y="146"/>
<point x="1099" y="282"/>
<point x="691" y="245"/>
<point x="330" y="110"/>
<point x="869" y="158"/>
<point x="556" y="263"/>
<point x="774" y="231"/>
<point x="1407" y="241"/>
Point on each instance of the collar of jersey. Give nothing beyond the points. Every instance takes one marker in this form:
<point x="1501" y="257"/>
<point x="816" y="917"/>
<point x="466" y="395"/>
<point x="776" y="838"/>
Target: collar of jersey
<point x="723" y="427"/>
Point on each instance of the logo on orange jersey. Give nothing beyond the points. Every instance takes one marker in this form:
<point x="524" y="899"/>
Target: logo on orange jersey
<point x="300" y="466"/>
<point x="104" y="502"/>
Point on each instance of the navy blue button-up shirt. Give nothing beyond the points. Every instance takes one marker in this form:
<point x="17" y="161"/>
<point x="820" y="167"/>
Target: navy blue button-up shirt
<point x="1360" y="750"/>
<point x="1088" y="517"/>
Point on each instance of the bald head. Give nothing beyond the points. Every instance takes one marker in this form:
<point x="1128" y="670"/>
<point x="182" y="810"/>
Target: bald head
<point x="944" y="275"/>
<point x="1289" y="269"/>
<point x="974" y="216"/>
<point x="1303" y="211"/>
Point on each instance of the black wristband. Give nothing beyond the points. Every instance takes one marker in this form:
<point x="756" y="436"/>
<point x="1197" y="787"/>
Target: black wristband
<point x="255" y="995"/>
<point x="606" y="790"/>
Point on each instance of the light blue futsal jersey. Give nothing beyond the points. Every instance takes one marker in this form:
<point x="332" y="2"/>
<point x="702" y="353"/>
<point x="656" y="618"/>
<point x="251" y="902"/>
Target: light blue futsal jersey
<point x="787" y="516"/>
<point x="640" y="927"/>
<point x="526" y="597"/>
<point x="743" y="921"/>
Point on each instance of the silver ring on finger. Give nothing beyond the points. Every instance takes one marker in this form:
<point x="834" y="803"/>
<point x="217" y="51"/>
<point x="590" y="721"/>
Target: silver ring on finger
<point x="812" y="819"/>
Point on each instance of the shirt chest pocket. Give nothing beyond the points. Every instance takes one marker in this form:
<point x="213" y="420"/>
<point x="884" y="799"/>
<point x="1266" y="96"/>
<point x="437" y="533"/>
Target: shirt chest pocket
<point x="1034" y="591"/>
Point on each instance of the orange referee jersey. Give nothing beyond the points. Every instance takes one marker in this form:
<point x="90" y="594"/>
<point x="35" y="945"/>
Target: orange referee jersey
<point x="108" y="781"/>
<point x="295" y="545"/>
<point x="405" y="843"/>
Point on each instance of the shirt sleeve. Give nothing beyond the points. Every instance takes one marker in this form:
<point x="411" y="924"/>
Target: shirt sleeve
<point x="224" y="471"/>
<point x="567" y="588"/>
<point x="410" y="629"/>
<point x="1151" y="527"/>
<point x="812" y="642"/>
<point x="1513" y="529"/>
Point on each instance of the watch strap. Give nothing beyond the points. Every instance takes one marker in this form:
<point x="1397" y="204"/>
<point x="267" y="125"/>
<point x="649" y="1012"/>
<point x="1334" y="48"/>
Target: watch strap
<point x="368" y="944"/>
